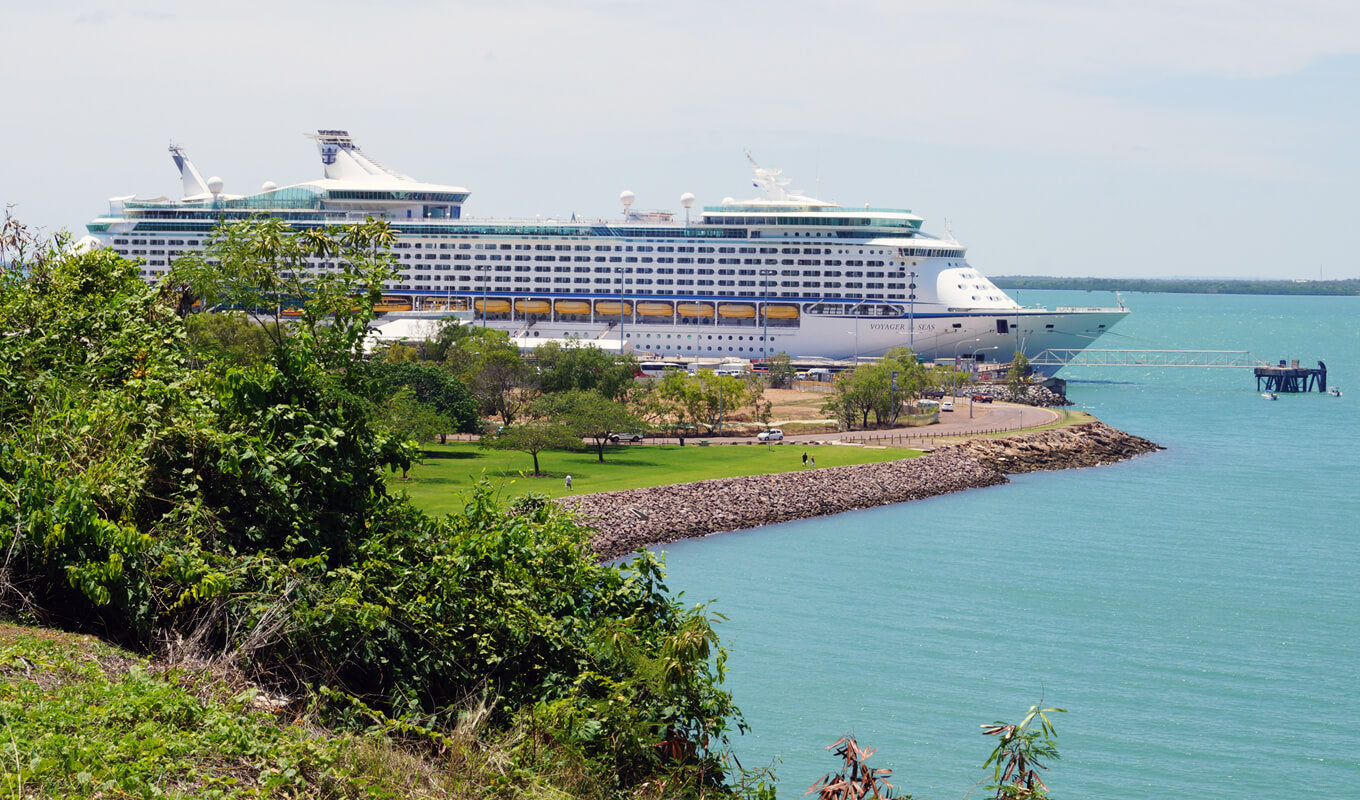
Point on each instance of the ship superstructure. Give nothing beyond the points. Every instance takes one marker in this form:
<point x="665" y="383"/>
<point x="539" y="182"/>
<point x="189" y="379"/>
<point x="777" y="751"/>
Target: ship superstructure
<point x="784" y="273"/>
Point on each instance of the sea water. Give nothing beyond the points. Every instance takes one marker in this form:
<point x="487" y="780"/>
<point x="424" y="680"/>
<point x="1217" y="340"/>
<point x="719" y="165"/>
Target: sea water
<point x="1194" y="610"/>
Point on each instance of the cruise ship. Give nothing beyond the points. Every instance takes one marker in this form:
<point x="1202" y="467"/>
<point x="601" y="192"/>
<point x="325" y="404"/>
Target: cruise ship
<point x="745" y="279"/>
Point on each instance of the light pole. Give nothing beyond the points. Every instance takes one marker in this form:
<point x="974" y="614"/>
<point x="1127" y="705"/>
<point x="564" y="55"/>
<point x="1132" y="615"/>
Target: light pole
<point x="619" y="271"/>
<point x="972" y="371"/>
<point x="483" y="268"/>
<point x="957" y="345"/>
<point x="911" y="313"/>
<point x="765" y="316"/>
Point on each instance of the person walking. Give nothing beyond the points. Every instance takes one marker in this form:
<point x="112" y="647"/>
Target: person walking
<point x="814" y="462"/>
<point x="569" y="483"/>
<point x="805" y="459"/>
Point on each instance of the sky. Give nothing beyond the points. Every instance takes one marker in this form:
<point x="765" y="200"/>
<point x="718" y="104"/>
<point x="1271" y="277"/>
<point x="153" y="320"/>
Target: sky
<point x="1201" y="138"/>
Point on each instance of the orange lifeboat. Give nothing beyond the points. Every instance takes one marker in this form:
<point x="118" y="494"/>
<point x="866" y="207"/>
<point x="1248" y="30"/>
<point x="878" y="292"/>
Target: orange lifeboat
<point x="695" y="309"/>
<point x="781" y="311"/>
<point x="572" y="307"/>
<point x="737" y="311"/>
<point x="533" y="306"/>
<point x="654" y="309"/>
<point x="613" y="307"/>
<point x="492" y="306"/>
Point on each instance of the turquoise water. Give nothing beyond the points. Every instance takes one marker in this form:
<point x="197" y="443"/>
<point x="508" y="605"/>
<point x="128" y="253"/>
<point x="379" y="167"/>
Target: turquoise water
<point x="1194" y="610"/>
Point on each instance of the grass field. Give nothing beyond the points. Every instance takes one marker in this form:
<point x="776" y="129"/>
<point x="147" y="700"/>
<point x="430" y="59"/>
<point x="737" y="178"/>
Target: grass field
<point x="438" y="485"/>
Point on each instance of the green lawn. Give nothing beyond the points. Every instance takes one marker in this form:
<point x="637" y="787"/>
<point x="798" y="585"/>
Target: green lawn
<point x="437" y="486"/>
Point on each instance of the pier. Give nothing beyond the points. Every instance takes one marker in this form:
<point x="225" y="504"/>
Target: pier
<point x="1291" y="378"/>
<point x="1287" y="377"/>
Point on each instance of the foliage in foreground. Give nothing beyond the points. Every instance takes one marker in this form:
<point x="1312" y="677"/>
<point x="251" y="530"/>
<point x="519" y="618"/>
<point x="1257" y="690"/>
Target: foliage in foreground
<point x="235" y="510"/>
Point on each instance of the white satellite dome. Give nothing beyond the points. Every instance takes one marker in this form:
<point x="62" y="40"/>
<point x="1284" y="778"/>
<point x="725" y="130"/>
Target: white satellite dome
<point x="687" y="200"/>
<point x="626" y="197"/>
<point x="215" y="185"/>
<point x="727" y="201"/>
<point x="268" y="186"/>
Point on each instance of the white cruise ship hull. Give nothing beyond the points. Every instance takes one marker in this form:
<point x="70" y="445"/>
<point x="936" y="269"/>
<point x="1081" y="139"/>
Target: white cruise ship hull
<point x="746" y="279"/>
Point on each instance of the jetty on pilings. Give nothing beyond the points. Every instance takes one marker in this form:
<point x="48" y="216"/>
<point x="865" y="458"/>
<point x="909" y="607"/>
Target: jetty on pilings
<point x="1291" y="378"/>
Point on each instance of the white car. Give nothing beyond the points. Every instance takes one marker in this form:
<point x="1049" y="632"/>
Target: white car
<point x="771" y="435"/>
<point x="625" y="437"/>
<point x="947" y="405"/>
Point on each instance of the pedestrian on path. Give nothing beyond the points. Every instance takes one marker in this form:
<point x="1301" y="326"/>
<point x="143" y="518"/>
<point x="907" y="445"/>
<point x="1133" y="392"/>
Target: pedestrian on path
<point x="569" y="483"/>
<point x="805" y="459"/>
<point x="814" y="462"/>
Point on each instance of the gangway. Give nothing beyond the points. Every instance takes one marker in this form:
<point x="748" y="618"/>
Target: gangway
<point x="1059" y="357"/>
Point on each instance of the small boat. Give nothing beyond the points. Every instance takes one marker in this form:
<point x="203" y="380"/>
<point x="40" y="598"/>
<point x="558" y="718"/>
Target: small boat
<point x="1335" y="391"/>
<point x="1270" y="395"/>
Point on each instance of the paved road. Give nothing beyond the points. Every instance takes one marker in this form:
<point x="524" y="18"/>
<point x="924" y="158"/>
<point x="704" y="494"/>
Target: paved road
<point x="987" y="417"/>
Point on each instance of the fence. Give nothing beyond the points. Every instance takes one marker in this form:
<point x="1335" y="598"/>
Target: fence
<point x="897" y="437"/>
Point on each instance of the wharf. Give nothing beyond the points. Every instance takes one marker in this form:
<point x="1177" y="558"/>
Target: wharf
<point x="1291" y="378"/>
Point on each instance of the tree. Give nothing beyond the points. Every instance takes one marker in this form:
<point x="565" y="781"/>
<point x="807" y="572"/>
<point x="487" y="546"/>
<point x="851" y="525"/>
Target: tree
<point x="533" y="437"/>
<point x="241" y="513"/>
<point x="403" y="416"/>
<point x="230" y="337"/>
<point x="263" y="267"/>
<point x="461" y="348"/>
<point x="782" y="372"/>
<point x="869" y="389"/>
<point x="577" y="365"/>
<point x="1017" y="754"/>
<point x="503" y="383"/>
<point x="589" y="414"/>
<point x="430" y="385"/>
<point x="1017" y="376"/>
<point x="856" y="779"/>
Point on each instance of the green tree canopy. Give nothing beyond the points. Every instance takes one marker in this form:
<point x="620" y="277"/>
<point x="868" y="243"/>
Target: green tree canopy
<point x="583" y="366"/>
<point x="533" y="437"/>
<point x="430" y="385"/>
<point x="589" y="414"/>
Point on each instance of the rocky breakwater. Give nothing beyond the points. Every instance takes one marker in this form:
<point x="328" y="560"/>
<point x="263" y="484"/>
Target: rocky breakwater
<point x="627" y="520"/>
<point x="1088" y="445"/>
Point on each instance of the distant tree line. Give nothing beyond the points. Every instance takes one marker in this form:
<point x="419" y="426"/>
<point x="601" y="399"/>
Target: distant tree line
<point x="1347" y="287"/>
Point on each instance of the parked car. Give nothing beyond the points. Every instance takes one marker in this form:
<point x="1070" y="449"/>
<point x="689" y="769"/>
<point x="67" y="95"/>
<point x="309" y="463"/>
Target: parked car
<point x="946" y="405"/>
<point x="771" y="435"/>
<point x="625" y="437"/>
<point x="981" y="398"/>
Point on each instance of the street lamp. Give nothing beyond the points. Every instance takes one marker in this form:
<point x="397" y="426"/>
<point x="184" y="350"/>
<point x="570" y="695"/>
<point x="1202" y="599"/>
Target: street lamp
<point x="765" y="315"/>
<point x="911" y="313"/>
<point x="483" y="269"/>
<point x="619" y="271"/>
<point x="957" y="345"/>
<point x="972" y="371"/>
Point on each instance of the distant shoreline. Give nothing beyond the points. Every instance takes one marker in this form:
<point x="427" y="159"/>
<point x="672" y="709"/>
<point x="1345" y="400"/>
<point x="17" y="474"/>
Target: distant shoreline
<point x="1312" y="288"/>
<point x="625" y="521"/>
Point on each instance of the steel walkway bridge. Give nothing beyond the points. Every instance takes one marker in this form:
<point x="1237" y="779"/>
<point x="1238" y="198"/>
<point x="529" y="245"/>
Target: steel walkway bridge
<point x="1239" y="359"/>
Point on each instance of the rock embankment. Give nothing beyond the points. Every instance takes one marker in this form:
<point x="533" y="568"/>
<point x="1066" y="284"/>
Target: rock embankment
<point x="1030" y="395"/>
<point x="1088" y="445"/>
<point x="627" y="520"/>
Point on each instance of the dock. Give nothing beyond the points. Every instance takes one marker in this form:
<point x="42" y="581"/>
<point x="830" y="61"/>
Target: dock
<point x="1291" y="378"/>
